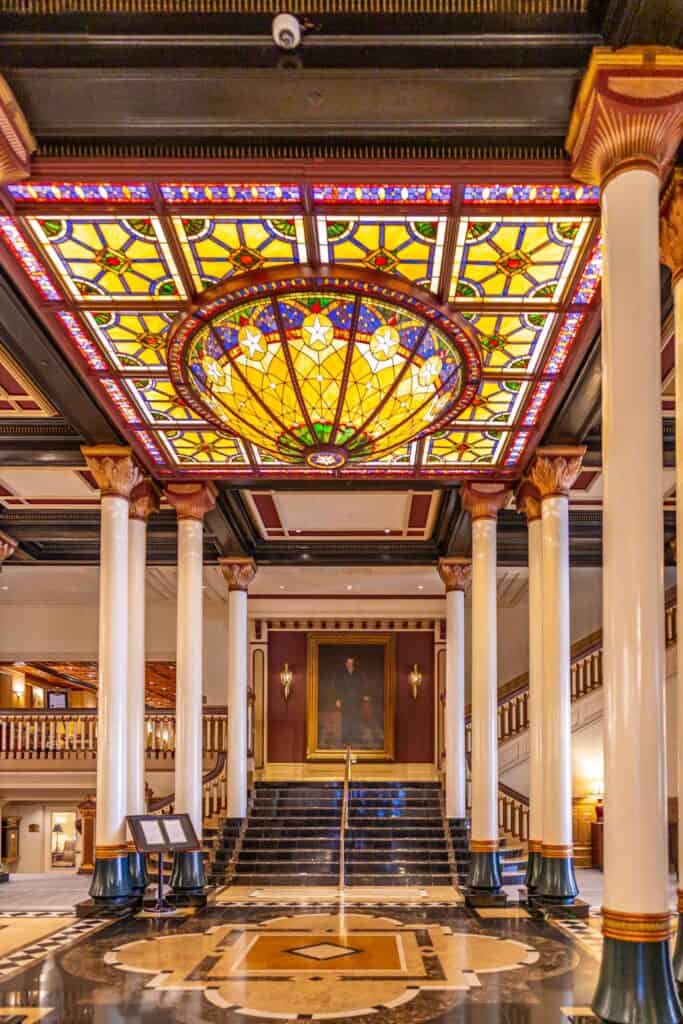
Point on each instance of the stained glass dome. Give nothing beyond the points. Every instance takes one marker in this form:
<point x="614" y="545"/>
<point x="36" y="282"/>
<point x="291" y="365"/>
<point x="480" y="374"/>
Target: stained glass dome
<point x="321" y="368"/>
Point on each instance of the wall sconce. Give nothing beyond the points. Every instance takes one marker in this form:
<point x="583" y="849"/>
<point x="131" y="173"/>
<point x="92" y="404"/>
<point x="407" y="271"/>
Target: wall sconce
<point x="415" y="680"/>
<point x="286" y="681"/>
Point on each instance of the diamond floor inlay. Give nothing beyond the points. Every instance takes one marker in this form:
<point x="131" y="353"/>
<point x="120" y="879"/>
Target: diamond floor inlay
<point x="323" y="951"/>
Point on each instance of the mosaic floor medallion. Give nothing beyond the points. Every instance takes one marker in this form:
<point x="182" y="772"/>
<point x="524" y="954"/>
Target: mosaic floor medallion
<point x="320" y="966"/>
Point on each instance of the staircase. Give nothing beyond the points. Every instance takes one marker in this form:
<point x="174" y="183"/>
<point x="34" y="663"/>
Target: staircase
<point x="512" y="857"/>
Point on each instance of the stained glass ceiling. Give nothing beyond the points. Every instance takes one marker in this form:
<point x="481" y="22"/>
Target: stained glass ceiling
<point x="116" y="270"/>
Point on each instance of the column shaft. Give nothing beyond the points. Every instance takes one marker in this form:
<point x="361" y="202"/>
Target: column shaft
<point x="135" y="698"/>
<point x="111" y="880"/>
<point x="678" y="310"/>
<point x="485" y="868"/>
<point x="237" y="703"/>
<point x="455" y="706"/>
<point x="557" y="881"/>
<point x="189" y="653"/>
<point x="536" y="763"/>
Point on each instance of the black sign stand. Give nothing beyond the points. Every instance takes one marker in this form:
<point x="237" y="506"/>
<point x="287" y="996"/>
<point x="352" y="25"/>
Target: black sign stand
<point x="160" y="834"/>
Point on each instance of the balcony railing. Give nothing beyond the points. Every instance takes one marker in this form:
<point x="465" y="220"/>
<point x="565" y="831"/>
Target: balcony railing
<point x="58" y="735"/>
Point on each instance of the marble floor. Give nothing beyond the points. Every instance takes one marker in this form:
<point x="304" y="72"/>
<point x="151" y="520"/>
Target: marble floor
<point x="234" y="962"/>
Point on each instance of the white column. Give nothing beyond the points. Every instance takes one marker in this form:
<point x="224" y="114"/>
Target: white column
<point x="239" y="572"/>
<point x="553" y="472"/>
<point x="191" y="502"/>
<point x="636" y="863"/>
<point x="528" y="501"/>
<point x="144" y="501"/>
<point x="455" y="573"/>
<point x="116" y="475"/>
<point x="483" y="502"/>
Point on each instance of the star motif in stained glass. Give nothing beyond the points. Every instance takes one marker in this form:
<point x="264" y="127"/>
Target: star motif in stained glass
<point x="380" y="259"/>
<point x="245" y="259"/>
<point x="318" y="330"/>
<point x="251" y="339"/>
<point x="384" y="342"/>
<point x="429" y="371"/>
<point x="512" y="263"/>
<point x="323" y="951"/>
<point x="112" y="260"/>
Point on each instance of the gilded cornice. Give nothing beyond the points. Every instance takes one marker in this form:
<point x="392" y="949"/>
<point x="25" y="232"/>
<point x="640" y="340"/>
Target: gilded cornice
<point x="629" y="112"/>
<point x="114" y="469"/>
<point x="483" y="501"/>
<point x="554" y="470"/>
<point x="191" y="501"/>
<point x="671" y="225"/>
<point x="238" y="572"/>
<point x="455" y="573"/>
<point x="301" y="7"/>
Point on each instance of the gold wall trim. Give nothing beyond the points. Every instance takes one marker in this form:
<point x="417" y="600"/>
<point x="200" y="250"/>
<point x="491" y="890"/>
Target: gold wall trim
<point x="519" y="7"/>
<point x="292" y="151"/>
<point x="312" y="771"/>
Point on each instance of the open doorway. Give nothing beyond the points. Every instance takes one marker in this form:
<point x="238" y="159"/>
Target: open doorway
<point x="63" y="839"/>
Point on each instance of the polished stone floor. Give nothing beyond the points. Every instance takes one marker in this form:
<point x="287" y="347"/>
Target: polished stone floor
<point x="398" y="964"/>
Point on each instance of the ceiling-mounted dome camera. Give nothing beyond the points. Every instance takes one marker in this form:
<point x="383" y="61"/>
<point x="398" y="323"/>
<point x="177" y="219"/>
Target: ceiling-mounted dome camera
<point x="286" y="31"/>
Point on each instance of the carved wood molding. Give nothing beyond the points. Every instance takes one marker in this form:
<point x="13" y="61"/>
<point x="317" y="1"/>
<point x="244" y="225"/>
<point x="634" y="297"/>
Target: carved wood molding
<point x="144" y="500"/>
<point x="629" y="112"/>
<point x="7" y="547"/>
<point x="671" y="226"/>
<point x="115" y="471"/>
<point x="554" y="470"/>
<point x="528" y="501"/>
<point x="16" y="141"/>
<point x="483" y="501"/>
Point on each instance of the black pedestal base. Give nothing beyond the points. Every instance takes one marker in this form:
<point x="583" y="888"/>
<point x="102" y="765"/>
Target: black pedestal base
<point x="481" y="898"/>
<point x="533" y="870"/>
<point x="556" y="881"/>
<point x="484" y="874"/>
<point x="4" y="876"/>
<point x="678" y="952"/>
<point x="137" y="868"/>
<point x="573" y="911"/>
<point x="188" y="877"/>
<point x="636" y="984"/>
<point x="111" y="881"/>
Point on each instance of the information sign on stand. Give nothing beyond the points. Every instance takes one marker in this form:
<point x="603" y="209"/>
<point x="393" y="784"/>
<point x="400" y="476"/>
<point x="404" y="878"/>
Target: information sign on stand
<point x="160" y="834"/>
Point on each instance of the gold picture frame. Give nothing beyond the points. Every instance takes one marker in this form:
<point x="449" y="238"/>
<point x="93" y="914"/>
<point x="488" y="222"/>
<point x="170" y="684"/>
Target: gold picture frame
<point x="346" y="644"/>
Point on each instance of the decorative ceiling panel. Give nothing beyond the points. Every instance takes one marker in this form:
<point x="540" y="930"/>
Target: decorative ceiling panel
<point x="19" y="397"/>
<point x="112" y="265"/>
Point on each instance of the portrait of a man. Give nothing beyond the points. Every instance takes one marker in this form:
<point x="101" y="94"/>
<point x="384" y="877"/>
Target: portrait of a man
<point x="351" y="699"/>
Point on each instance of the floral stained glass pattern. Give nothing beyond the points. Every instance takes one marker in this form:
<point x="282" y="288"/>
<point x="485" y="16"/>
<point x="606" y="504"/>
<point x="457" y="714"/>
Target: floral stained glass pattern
<point x="497" y="401"/>
<point x="108" y="257"/>
<point x="514" y="260"/>
<point x="437" y="195"/>
<point x="466" y="448"/>
<point x="78" y="192"/>
<point x="217" y="248"/>
<point x="512" y="342"/>
<point x="132" y="340"/>
<point x="159" y="402"/>
<point x="202" y="448"/>
<point x="401" y="246"/>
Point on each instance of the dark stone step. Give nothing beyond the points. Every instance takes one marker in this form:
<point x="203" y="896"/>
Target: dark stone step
<point x="305" y="878"/>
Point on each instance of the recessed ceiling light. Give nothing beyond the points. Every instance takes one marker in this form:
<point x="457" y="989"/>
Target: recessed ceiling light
<point x="281" y="587"/>
<point x="420" y="586"/>
<point x="4" y="588"/>
<point x="297" y="531"/>
<point x="349" y="586"/>
<point x="387" y="531"/>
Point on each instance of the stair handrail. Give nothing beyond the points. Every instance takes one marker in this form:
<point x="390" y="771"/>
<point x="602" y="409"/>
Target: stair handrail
<point x="156" y="806"/>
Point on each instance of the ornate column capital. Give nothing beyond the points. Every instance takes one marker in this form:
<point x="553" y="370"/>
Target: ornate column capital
<point x="671" y="225"/>
<point x="7" y="547"/>
<point x="238" y="571"/>
<point x="455" y="573"/>
<point x="482" y="501"/>
<point x="16" y="141"/>
<point x="116" y="472"/>
<point x="144" y="500"/>
<point x="191" y="501"/>
<point x="528" y="501"/>
<point x="629" y="112"/>
<point x="555" y="469"/>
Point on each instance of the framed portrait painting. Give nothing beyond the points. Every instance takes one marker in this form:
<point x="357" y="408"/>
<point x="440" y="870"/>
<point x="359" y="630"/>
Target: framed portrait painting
<point x="350" y="696"/>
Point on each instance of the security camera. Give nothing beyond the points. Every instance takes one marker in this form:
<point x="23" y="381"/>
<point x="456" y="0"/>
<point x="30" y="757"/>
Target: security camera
<point x="286" y="31"/>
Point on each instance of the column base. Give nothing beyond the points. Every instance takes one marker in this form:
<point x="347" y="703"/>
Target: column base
<point x="187" y="876"/>
<point x="4" y="875"/>
<point x="636" y="984"/>
<point x="678" y="951"/>
<point x="533" y="870"/>
<point x="137" y="866"/>
<point x="484" y="874"/>
<point x="110" y="884"/>
<point x="556" y="882"/>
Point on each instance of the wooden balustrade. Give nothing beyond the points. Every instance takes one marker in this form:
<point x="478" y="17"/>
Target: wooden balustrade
<point x="58" y="735"/>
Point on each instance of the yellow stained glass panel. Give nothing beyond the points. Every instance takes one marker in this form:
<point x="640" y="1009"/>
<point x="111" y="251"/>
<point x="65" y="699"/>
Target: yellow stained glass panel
<point x="132" y="340"/>
<point x="465" y="448"/>
<point x="496" y="402"/>
<point x="109" y="257"/>
<point x="158" y="401"/>
<point x="216" y="248"/>
<point x="512" y="341"/>
<point x="517" y="260"/>
<point x="202" y="448"/>
<point x="402" y="246"/>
